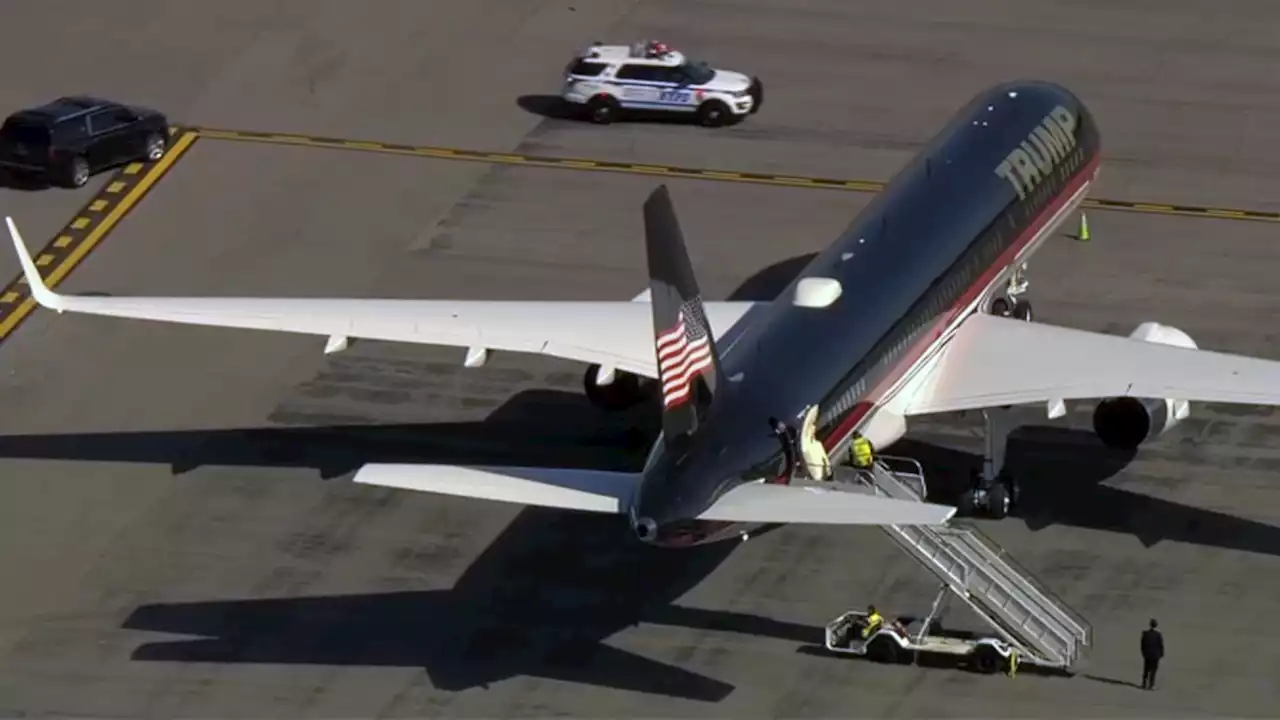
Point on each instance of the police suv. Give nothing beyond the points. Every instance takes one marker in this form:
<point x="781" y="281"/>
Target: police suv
<point x="608" y="79"/>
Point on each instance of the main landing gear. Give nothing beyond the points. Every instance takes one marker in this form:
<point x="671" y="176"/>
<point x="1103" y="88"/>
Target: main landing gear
<point x="1009" y="305"/>
<point x="995" y="492"/>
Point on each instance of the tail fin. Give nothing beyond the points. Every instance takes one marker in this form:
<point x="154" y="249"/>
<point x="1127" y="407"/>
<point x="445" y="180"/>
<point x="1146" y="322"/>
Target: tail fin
<point x="688" y="363"/>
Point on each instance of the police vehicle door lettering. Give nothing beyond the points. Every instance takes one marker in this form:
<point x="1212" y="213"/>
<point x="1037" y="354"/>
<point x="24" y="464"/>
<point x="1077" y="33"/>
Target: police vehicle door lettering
<point x="681" y="97"/>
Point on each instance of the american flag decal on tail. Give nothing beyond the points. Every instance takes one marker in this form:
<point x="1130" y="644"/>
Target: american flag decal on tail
<point x="684" y="353"/>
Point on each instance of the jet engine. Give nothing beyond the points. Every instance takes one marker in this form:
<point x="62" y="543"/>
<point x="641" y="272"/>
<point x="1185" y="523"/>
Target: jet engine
<point x="1124" y="423"/>
<point x="614" y="389"/>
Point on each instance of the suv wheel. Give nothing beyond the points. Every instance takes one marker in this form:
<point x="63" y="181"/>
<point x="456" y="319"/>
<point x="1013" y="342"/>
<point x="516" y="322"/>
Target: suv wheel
<point x="78" y="172"/>
<point x="602" y="109"/>
<point x="713" y="113"/>
<point x="155" y="147"/>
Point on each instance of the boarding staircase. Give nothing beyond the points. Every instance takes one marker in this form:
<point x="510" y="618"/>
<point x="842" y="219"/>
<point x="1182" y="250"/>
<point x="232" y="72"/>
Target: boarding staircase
<point x="978" y="571"/>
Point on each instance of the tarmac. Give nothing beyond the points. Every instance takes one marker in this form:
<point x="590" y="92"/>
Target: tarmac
<point x="179" y="538"/>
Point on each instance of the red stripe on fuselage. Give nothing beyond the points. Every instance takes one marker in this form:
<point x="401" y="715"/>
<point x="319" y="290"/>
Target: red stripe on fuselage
<point x="864" y="407"/>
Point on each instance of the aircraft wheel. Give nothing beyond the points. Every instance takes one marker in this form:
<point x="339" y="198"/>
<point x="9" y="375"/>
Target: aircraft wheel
<point x="1021" y="310"/>
<point x="1014" y="490"/>
<point x="998" y="501"/>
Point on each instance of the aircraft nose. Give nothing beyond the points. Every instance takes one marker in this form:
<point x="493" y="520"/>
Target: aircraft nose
<point x="645" y="528"/>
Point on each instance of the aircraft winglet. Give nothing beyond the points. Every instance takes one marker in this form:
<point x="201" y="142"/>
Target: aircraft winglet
<point x="41" y="292"/>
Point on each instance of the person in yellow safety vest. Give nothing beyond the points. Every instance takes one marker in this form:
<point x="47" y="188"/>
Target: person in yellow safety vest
<point x="873" y="622"/>
<point x="861" y="452"/>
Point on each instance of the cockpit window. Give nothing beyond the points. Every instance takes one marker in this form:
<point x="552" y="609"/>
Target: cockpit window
<point x="698" y="72"/>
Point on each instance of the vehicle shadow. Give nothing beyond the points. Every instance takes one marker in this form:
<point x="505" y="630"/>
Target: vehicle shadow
<point x="932" y="661"/>
<point x="554" y="108"/>
<point x="22" y="182"/>
<point x="1062" y="474"/>
<point x="551" y="107"/>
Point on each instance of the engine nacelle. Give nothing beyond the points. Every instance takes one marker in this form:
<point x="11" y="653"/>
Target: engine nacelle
<point x="1125" y="423"/>
<point x="613" y="389"/>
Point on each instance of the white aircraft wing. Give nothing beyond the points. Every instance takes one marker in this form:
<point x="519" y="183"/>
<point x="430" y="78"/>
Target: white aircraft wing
<point x="599" y="491"/>
<point x="806" y="504"/>
<point x="611" y="333"/>
<point x="609" y="492"/>
<point x="993" y="361"/>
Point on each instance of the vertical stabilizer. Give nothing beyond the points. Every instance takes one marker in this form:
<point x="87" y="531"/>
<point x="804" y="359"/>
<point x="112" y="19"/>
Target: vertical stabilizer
<point x="688" y="364"/>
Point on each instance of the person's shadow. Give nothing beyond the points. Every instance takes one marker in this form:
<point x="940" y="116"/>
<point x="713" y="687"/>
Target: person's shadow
<point x="1113" y="681"/>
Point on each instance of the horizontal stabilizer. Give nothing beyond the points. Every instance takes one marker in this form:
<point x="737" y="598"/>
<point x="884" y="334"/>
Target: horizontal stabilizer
<point x="599" y="491"/>
<point x="767" y="503"/>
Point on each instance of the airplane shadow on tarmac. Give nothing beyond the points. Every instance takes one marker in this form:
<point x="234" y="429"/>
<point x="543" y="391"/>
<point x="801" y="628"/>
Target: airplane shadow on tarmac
<point x="540" y="601"/>
<point x="1062" y="471"/>
<point x="544" y="598"/>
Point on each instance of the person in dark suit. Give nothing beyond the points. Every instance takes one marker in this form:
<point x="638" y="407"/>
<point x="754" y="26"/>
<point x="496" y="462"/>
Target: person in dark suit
<point x="1152" y="653"/>
<point x="789" y="438"/>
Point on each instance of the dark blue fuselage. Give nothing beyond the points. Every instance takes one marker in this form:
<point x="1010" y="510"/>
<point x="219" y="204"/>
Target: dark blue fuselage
<point x="913" y="262"/>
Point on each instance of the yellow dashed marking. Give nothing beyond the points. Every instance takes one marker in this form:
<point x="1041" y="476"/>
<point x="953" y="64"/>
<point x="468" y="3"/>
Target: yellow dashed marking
<point x="16" y="303"/>
<point x="869" y="186"/>
<point x="133" y="168"/>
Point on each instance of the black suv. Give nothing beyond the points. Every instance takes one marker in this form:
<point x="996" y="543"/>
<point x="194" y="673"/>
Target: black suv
<point x="69" y="139"/>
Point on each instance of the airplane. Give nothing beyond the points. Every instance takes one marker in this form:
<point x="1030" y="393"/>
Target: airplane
<point x="914" y="310"/>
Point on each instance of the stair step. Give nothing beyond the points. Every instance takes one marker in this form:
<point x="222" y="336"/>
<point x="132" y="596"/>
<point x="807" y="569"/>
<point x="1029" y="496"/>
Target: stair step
<point x="978" y="571"/>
